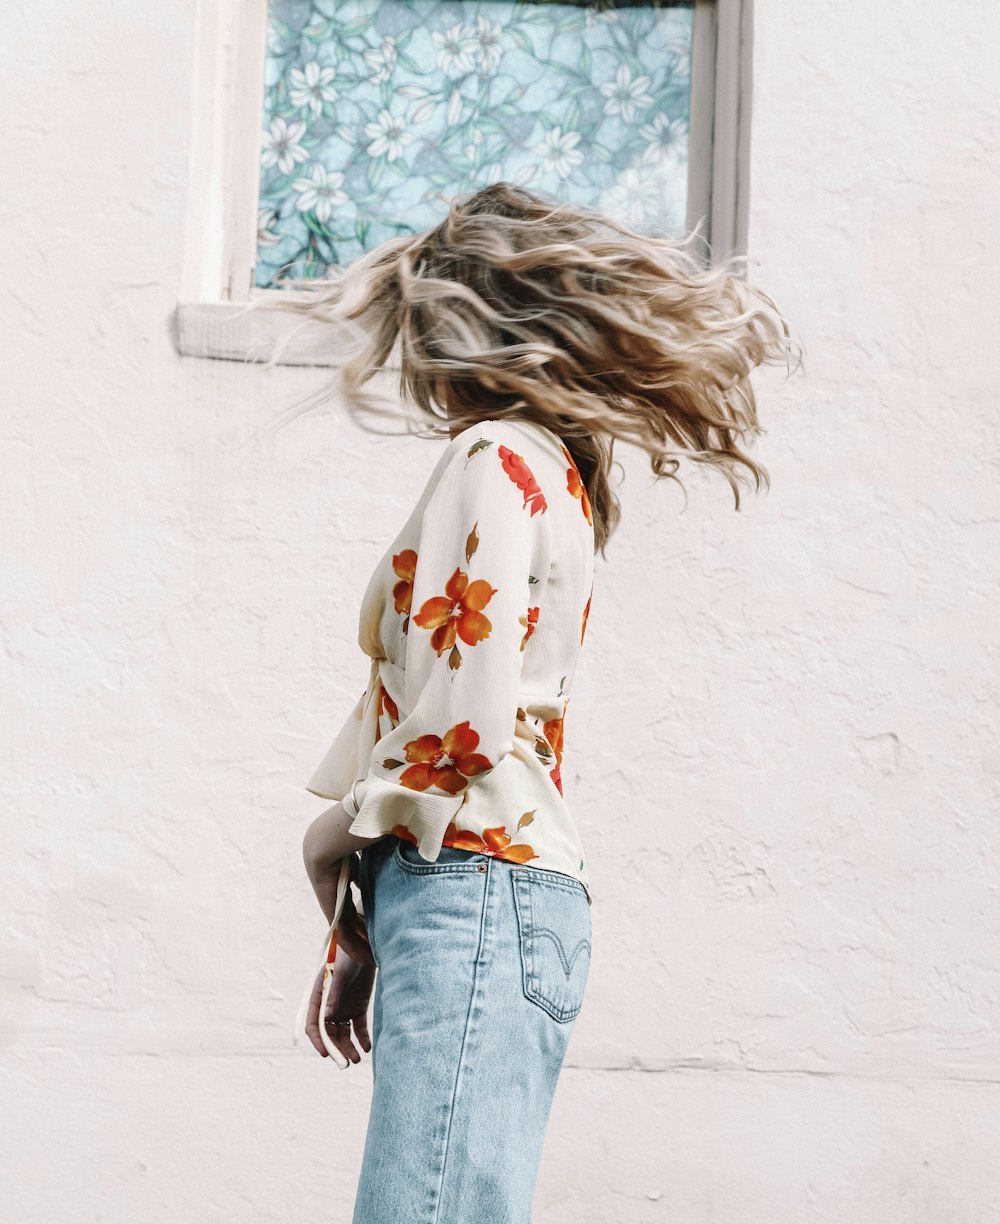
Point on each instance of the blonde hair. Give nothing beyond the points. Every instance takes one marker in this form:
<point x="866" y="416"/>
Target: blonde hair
<point x="517" y="305"/>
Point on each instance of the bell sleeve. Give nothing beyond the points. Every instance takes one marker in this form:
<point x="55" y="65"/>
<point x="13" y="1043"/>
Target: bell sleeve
<point x="482" y="556"/>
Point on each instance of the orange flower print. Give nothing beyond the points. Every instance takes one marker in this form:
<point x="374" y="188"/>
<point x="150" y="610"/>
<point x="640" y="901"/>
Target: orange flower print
<point x="523" y="477"/>
<point x="447" y="762"/>
<point x="575" y="485"/>
<point x="529" y="622"/>
<point x="496" y="841"/>
<point x="386" y="703"/>
<point x="404" y="566"/>
<point x="553" y="731"/>
<point x="458" y="612"/>
<point x="586" y="613"/>
<point x="402" y="831"/>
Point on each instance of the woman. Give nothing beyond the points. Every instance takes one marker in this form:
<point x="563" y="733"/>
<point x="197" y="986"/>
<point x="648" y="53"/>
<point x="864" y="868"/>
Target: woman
<point x="537" y="334"/>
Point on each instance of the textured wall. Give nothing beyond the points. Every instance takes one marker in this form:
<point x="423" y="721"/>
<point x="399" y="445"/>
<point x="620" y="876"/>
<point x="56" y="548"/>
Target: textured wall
<point x="782" y="747"/>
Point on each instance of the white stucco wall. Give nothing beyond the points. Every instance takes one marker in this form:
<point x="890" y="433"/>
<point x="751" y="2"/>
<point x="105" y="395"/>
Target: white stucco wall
<point x="790" y="796"/>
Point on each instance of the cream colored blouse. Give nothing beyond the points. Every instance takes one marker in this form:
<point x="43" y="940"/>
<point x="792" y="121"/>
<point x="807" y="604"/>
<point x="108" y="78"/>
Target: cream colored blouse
<point x="474" y="619"/>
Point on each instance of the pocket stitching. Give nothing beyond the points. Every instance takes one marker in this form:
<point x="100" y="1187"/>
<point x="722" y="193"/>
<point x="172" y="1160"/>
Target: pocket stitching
<point x="530" y="970"/>
<point x="567" y="962"/>
<point x="554" y="879"/>
<point x="433" y="868"/>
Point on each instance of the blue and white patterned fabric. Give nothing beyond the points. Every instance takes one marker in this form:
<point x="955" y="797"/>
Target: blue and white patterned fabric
<point x="377" y="112"/>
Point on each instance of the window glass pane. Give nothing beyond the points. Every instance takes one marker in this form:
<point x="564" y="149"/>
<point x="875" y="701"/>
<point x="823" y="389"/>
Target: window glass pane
<point x="376" y="112"/>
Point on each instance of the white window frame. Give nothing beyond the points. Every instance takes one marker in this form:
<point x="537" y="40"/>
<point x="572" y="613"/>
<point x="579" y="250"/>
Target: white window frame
<point x="221" y="225"/>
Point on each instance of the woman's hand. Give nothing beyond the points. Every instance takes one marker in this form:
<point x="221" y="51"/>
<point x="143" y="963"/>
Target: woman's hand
<point x="350" y="992"/>
<point x="326" y="843"/>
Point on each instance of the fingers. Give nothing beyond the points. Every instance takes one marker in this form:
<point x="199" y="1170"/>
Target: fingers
<point x="340" y="1035"/>
<point x="312" y="1018"/>
<point x="338" y="1030"/>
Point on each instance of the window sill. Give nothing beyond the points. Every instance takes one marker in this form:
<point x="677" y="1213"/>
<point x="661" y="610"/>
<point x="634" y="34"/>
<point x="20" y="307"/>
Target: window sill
<point x="243" y="331"/>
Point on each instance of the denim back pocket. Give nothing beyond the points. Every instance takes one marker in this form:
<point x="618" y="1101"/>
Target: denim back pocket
<point x="553" y="918"/>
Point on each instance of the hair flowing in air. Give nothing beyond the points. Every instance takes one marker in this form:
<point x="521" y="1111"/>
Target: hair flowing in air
<point x="517" y="305"/>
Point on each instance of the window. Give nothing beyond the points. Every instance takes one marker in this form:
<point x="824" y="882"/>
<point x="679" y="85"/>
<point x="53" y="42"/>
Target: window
<point x="327" y="126"/>
<point x="376" y="112"/>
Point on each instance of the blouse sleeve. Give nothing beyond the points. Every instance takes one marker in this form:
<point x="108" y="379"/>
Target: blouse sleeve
<point x="483" y="552"/>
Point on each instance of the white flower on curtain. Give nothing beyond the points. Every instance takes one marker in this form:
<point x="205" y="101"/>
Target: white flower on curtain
<point x="456" y="50"/>
<point x="388" y="136"/>
<point x="281" y="145"/>
<point x="489" y="35"/>
<point x="559" y="152"/>
<point x="312" y="86"/>
<point x="266" y="235"/>
<point x="382" y="59"/>
<point x="626" y="95"/>
<point x="320" y="192"/>
<point x="664" y="135"/>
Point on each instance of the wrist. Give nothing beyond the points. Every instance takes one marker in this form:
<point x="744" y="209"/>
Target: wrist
<point x="328" y="841"/>
<point x="325" y="871"/>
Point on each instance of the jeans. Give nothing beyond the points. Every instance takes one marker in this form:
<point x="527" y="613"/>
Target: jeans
<point x="482" y="966"/>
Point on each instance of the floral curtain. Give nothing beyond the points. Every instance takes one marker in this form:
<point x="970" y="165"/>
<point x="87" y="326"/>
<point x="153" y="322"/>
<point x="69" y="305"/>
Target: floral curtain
<point x="376" y="113"/>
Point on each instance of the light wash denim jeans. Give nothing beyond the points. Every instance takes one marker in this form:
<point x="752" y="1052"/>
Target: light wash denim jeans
<point x="482" y="966"/>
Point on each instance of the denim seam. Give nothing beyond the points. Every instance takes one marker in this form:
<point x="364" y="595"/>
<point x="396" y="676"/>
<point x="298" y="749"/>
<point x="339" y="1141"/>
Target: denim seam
<point x="365" y="887"/>
<point x="473" y="994"/>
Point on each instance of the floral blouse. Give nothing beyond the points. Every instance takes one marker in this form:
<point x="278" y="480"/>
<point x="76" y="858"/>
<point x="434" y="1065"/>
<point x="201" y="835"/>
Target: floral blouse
<point x="474" y="619"/>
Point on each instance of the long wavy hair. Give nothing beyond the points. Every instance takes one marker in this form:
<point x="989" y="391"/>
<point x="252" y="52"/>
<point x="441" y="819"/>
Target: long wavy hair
<point x="516" y="305"/>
